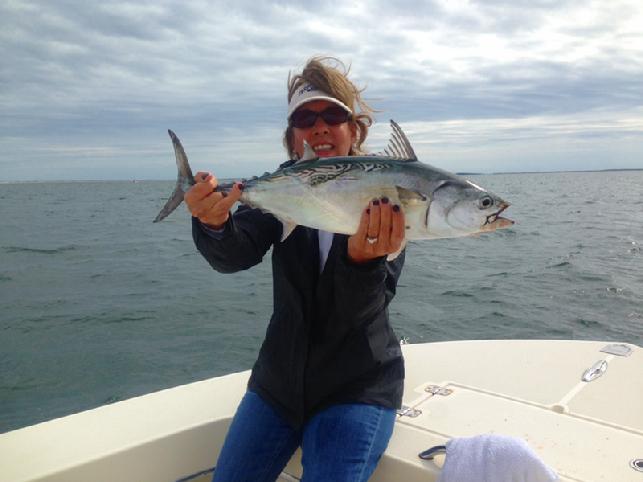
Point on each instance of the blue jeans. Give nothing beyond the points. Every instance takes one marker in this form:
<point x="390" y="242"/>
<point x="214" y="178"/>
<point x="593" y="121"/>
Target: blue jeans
<point x="342" y="443"/>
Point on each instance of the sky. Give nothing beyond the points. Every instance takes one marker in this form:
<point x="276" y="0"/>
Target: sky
<point x="88" y="89"/>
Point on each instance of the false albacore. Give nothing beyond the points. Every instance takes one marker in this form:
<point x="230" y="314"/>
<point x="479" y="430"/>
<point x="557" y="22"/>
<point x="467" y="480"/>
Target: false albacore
<point x="331" y="193"/>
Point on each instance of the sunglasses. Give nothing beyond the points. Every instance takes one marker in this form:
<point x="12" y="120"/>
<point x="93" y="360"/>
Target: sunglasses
<point x="333" y="115"/>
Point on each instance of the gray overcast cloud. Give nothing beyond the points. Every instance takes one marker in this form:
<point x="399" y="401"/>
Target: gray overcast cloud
<point x="90" y="88"/>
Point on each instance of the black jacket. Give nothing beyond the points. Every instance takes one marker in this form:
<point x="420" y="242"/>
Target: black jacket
<point x="329" y="339"/>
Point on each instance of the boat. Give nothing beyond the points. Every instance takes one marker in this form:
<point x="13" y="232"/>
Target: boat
<point x="578" y="405"/>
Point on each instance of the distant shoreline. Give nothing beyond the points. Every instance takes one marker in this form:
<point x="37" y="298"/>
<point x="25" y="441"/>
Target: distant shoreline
<point x="635" y="169"/>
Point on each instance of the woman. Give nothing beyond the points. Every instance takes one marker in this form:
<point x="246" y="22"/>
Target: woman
<point x="330" y="372"/>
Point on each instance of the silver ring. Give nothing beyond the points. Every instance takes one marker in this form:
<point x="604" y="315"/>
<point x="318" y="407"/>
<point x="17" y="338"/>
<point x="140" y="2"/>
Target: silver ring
<point x="371" y="240"/>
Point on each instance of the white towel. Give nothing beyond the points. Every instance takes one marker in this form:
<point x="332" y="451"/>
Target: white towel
<point x="493" y="458"/>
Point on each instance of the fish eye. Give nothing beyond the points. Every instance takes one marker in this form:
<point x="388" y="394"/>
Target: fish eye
<point x="485" y="202"/>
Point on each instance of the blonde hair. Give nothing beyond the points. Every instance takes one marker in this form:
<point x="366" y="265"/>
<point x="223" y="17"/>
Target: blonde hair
<point x="330" y="75"/>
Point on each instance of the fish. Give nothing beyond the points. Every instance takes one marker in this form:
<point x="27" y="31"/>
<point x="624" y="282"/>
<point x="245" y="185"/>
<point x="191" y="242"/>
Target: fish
<point x="331" y="193"/>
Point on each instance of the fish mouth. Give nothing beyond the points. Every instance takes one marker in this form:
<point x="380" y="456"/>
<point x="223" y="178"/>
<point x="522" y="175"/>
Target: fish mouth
<point x="495" y="221"/>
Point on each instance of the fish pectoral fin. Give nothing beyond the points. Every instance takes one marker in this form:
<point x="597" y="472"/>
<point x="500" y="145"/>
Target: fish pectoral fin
<point x="409" y="196"/>
<point x="287" y="227"/>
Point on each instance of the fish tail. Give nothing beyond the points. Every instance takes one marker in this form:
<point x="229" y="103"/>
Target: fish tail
<point x="184" y="180"/>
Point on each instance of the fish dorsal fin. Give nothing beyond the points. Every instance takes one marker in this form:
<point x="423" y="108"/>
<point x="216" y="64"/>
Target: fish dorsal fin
<point x="399" y="146"/>
<point x="309" y="153"/>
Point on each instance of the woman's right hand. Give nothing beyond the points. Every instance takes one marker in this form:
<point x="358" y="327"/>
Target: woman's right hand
<point x="211" y="208"/>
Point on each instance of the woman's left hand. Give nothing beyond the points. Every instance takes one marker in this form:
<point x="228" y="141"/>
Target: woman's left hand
<point x="380" y="232"/>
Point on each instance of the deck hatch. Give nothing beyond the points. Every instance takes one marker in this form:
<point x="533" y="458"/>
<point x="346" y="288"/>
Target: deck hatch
<point x="618" y="349"/>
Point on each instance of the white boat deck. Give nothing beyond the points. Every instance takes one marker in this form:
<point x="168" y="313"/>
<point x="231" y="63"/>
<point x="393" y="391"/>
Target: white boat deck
<point x="586" y="431"/>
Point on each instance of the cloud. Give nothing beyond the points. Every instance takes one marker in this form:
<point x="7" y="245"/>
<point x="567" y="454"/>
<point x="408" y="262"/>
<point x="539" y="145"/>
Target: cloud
<point x="93" y="86"/>
<point x="592" y="140"/>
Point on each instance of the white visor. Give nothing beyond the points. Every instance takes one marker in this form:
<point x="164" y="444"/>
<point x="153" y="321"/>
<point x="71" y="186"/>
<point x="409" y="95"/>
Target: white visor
<point x="308" y="93"/>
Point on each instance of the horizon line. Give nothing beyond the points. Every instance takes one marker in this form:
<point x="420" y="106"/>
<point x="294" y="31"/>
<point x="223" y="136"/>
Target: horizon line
<point x="464" y="173"/>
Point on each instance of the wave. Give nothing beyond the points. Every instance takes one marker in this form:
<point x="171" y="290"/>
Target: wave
<point x="587" y="322"/>
<point x="108" y="318"/>
<point x="22" y="249"/>
<point x="463" y="294"/>
<point x="560" y="265"/>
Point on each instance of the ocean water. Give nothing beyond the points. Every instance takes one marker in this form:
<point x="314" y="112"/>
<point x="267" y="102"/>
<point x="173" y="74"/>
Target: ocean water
<point x="98" y="304"/>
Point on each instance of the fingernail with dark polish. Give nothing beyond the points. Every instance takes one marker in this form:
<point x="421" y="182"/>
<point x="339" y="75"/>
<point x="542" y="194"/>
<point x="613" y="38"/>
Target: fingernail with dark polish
<point x="384" y="200"/>
<point x="241" y="186"/>
<point x="376" y="202"/>
<point x="396" y="208"/>
<point x="368" y="211"/>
